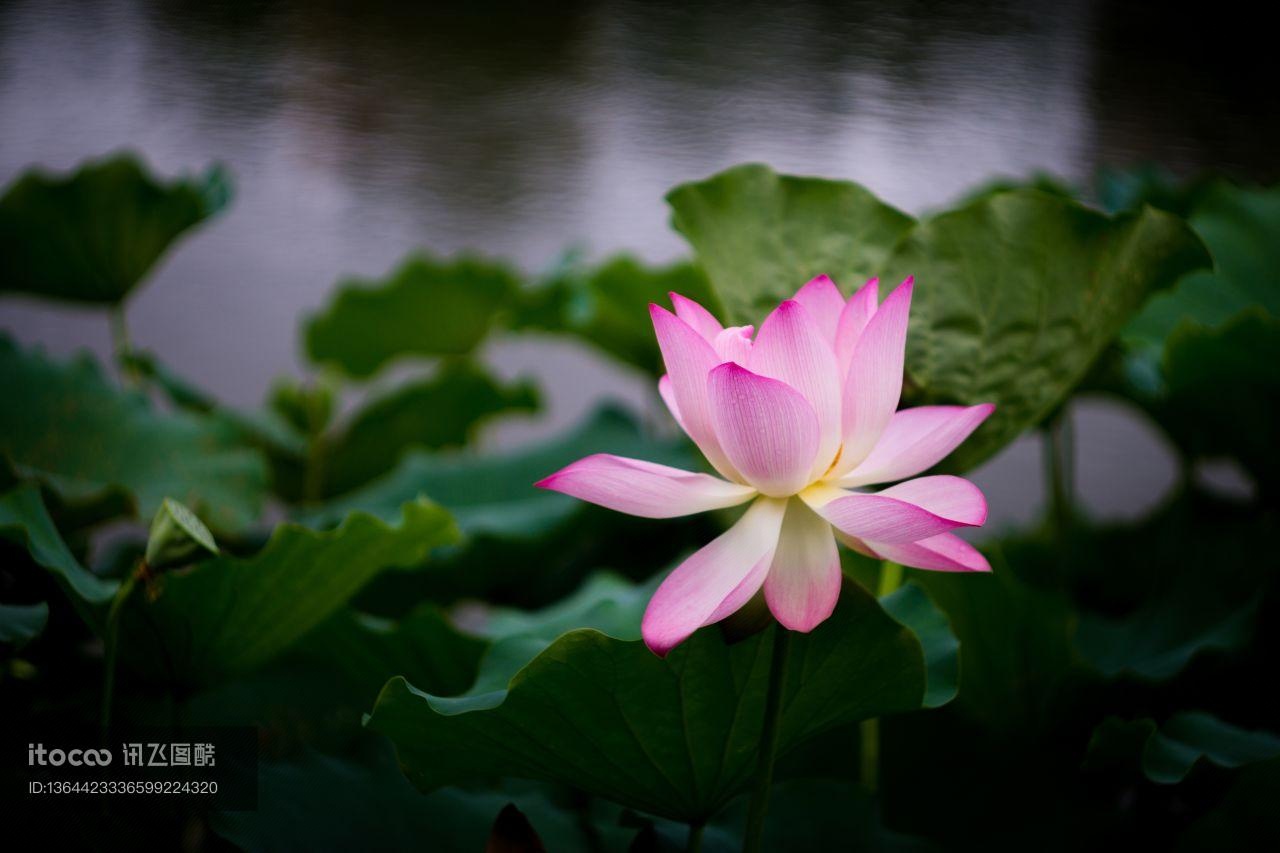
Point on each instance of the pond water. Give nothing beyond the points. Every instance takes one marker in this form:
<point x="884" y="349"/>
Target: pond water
<point x="356" y="139"/>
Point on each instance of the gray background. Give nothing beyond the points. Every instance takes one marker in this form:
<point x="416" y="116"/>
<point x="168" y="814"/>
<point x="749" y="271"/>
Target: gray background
<point x="356" y="139"/>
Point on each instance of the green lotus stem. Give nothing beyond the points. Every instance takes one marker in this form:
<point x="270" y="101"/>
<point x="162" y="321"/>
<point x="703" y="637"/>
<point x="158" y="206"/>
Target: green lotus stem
<point x="890" y="580"/>
<point x="694" y="845"/>
<point x="313" y="464"/>
<point x="1060" y="468"/>
<point x="313" y="470"/>
<point x="123" y="345"/>
<point x="870" y="733"/>
<point x="753" y="841"/>
<point x="111" y="642"/>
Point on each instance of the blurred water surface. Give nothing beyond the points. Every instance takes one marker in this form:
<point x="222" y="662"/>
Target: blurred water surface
<point x="357" y="137"/>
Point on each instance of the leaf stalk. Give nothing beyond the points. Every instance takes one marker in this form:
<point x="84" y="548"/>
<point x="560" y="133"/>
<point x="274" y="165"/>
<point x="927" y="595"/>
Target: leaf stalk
<point x="111" y="642"/>
<point x="753" y="841"/>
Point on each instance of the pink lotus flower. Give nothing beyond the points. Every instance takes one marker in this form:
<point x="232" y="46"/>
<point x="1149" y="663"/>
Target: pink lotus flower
<point x="795" y="420"/>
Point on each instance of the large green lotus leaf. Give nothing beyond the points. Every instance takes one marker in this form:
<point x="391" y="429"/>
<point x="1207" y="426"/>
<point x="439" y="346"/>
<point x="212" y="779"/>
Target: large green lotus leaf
<point x="912" y="606"/>
<point x="1169" y="752"/>
<point x="24" y="519"/>
<point x="829" y="756"/>
<point x="367" y="650"/>
<point x="608" y="306"/>
<point x="1017" y="292"/>
<point x="1017" y="295"/>
<point x="1241" y="227"/>
<point x="21" y="623"/>
<point x="439" y="412"/>
<point x="327" y="802"/>
<point x="760" y="235"/>
<point x="231" y="614"/>
<point x="94" y="235"/>
<point x="1221" y="393"/>
<point x="65" y="425"/>
<point x="494" y="494"/>
<point x="675" y="738"/>
<point x="427" y="307"/>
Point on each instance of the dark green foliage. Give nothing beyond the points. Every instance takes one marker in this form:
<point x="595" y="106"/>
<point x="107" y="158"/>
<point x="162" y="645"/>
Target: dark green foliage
<point x="425" y="308"/>
<point x="671" y="737"/>
<point x="93" y="236"/>
<point x="365" y="562"/>
<point x="67" y="426"/>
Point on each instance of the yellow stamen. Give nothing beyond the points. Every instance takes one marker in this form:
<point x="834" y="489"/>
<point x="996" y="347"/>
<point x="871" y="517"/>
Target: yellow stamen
<point x="832" y="466"/>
